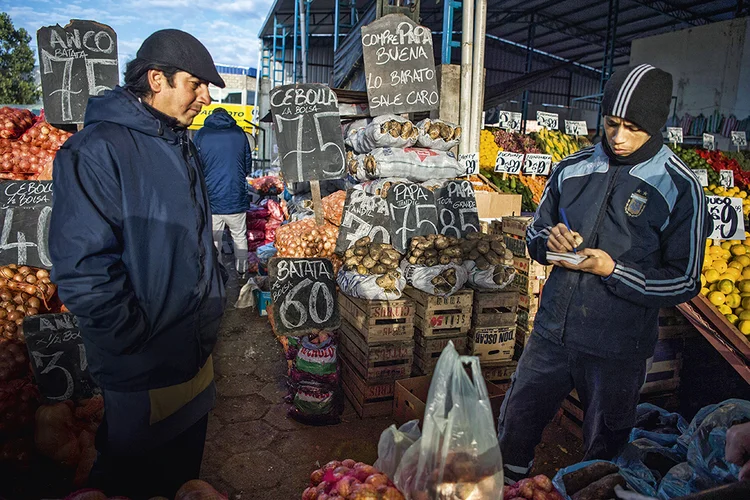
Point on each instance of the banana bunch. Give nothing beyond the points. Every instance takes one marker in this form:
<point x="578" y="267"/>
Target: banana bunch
<point x="557" y="144"/>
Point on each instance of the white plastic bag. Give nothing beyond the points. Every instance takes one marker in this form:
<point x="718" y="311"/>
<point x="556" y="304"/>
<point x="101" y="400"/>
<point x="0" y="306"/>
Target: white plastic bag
<point x="381" y="133"/>
<point x="492" y="278"/>
<point x="416" y="164"/>
<point x="435" y="280"/>
<point x="458" y="456"/>
<point x="393" y="444"/>
<point x="365" y="286"/>
<point x="438" y="134"/>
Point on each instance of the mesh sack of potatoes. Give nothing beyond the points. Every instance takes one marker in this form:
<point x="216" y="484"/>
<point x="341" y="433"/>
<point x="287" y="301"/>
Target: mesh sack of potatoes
<point x="440" y="280"/>
<point x="380" y="187"/>
<point x="438" y="134"/>
<point x="488" y="262"/>
<point x="415" y="164"/>
<point x="371" y="272"/>
<point x="492" y="278"/>
<point x="384" y="131"/>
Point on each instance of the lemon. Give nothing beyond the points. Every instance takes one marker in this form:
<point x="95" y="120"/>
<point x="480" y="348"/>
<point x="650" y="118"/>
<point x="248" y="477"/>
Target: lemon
<point x="726" y="286"/>
<point x="743" y="259"/>
<point x="744" y="315"/>
<point x="704" y="291"/>
<point x="744" y="327"/>
<point x="746" y="302"/>
<point x="717" y="298"/>
<point x="731" y="274"/>
<point x="714" y="251"/>
<point x="736" y="265"/>
<point x="726" y="245"/>
<point x="733" y="300"/>
<point x="724" y="309"/>
<point x="720" y="266"/>
<point x="712" y="275"/>
<point x="732" y="318"/>
<point x="744" y="286"/>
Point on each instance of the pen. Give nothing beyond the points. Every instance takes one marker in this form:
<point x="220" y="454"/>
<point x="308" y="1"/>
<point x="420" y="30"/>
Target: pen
<point x="567" y="224"/>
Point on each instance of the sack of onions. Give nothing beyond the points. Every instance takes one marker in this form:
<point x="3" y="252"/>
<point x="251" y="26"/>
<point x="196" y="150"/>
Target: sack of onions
<point x="333" y="207"/>
<point x="24" y="291"/>
<point x="45" y="136"/>
<point x="14" y="122"/>
<point x="304" y="238"/>
<point x="19" y="399"/>
<point x="14" y="360"/>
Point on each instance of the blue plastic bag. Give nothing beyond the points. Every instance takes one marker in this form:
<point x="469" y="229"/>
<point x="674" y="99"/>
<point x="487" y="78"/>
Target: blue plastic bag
<point x="637" y="476"/>
<point x="666" y="419"/>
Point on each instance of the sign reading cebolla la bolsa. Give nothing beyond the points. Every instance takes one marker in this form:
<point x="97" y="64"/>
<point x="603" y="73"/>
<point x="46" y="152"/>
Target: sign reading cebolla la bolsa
<point x="399" y="66"/>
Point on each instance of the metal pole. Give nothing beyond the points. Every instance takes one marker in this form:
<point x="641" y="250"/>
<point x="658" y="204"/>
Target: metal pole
<point x="609" y="56"/>
<point x="303" y="37"/>
<point x="477" y="70"/>
<point x="529" y="60"/>
<point x="467" y="43"/>
<point x="336" y="26"/>
<point x="296" y="39"/>
<point x="447" y="30"/>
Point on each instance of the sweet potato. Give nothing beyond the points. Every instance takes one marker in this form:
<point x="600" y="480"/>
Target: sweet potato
<point x="602" y="489"/>
<point x="579" y="479"/>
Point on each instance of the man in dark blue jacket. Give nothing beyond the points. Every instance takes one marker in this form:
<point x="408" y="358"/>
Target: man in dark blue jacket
<point x="638" y="216"/>
<point x="133" y="258"/>
<point x="227" y="161"/>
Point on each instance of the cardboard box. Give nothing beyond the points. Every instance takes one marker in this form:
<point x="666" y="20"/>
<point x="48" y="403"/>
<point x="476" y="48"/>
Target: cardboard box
<point x="516" y="225"/>
<point x="494" y="205"/>
<point x="411" y="398"/>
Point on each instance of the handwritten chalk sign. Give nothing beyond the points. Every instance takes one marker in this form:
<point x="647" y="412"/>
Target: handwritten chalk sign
<point x="576" y="127"/>
<point x="674" y="135"/>
<point x="303" y="292"/>
<point x="726" y="178"/>
<point x="509" y="120"/>
<point x="470" y="163"/>
<point x="726" y="217"/>
<point x="25" y="209"/>
<point x="308" y="132"/>
<point x="702" y="175"/>
<point x="709" y="142"/>
<point x="457" y="209"/>
<point x="413" y="213"/>
<point x="739" y="138"/>
<point x="537" y="164"/>
<point x="58" y="357"/>
<point x="364" y="215"/>
<point x="399" y="66"/>
<point x="549" y="121"/>
<point x="76" y="62"/>
<point x="508" y="162"/>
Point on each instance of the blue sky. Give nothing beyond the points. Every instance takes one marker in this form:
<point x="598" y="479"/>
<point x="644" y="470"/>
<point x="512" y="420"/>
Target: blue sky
<point x="228" y="28"/>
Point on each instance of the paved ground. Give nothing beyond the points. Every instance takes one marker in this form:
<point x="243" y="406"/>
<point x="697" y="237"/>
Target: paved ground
<point x="255" y="451"/>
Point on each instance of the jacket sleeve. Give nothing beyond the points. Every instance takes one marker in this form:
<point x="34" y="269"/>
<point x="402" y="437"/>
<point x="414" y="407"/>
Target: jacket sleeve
<point x="85" y="242"/>
<point x="677" y="279"/>
<point x="248" y="158"/>
<point x="545" y="218"/>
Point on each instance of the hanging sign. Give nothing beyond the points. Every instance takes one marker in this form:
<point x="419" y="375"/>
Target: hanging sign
<point x="364" y="215"/>
<point x="674" y="135"/>
<point x="739" y="138"/>
<point x="726" y="178"/>
<point x="702" y="175"/>
<point x="25" y="208"/>
<point x="308" y="132"/>
<point x="549" y="121"/>
<point x="537" y="164"/>
<point x="726" y="217"/>
<point x="457" y="209"/>
<point x="508" y="162"/>
<point x="58" y="356"/>
<point x="303" y="293"/>
<point x="399" y="66"/>
<point x="75" y="62"/>
<point x="413" y="213"/>
<point x="510" y="121"/>
<point x="470" y="163"/>
<point x="574" y="127"/>
<point x="709" y="142"/>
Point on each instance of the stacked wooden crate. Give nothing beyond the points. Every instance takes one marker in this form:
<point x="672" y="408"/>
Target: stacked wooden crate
<point x="437" y="321"/>
<point x="376" y="348"/>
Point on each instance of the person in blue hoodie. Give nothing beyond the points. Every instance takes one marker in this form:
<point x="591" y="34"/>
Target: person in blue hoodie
<point x="226" y="159"/>
<point x="134" y="260"/>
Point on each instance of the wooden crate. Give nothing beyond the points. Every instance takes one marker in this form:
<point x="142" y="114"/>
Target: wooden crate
<point x="524" y="320"/>
<point x="529" y="302"/>
<point x="517" y="245"/>
<point x="672" y="324"/>
<point x="494" y="309"/>
<point x="516" y="225"/>
<point x="382" y="362"/>
<point x="530" y="267"/>
<point x="442" y="316"/>
<point x="499" y="373"/>
<point x="368" y="400"/>
<point x="427" y="351"/>
<point x="493" y="344"/>
<point x="379" y="320"/>
<point x="526" y="285"/>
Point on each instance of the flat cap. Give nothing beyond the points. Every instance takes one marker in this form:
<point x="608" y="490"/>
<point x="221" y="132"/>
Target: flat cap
<point x="183" y="51"/>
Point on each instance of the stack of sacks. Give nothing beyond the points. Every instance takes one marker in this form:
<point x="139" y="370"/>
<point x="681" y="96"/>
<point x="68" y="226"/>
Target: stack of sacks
<point x="262" y="222"/>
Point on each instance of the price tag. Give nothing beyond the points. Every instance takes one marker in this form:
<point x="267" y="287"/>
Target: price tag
<point x="726" y="178"/>
<point x="702" y="175"/>
<point x="739" y="138"/>
<point x="726" y="218"/>
<point x="709" y="142"/>
<point x="470" y="163"/>
<point x="510" y="121"/>
<point x="674" y="135"/>
<point x="537" y="164"/>
<point x="508" y="162"/>
<point x="548" y="120"/>
<point x="573" y="127"/>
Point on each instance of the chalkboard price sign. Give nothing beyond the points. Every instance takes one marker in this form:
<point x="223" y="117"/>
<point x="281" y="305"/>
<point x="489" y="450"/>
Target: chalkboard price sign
<point x="726" y="218"/>
<point x="364" y="215"/>
<point x="399" y="66"/>
<point x="413" y="213"/>
<point x="76" y="62"/>
<point x="25" y="209"/>
<point x="58" y="357"/>
<point x="303" y="292"/>
<point x="457" y="209"/>
<point x="308" y="132"/>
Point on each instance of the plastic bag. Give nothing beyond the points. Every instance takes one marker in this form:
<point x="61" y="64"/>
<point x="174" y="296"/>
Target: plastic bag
<point x="676" y="483"/>
<point x="393" y="444"/>
<point x="383" y="131"/>
<point x="641" y="481"/>
<point x="314" y="380"/>
<point x="266" y="253"/>
<point x="458" y="453"/>
<point x="366" y="287"/>
<point x="657" y="458"/>
<point x="493" y="278"/>
<point x="658" y="425"/>
<point x="380" y="187"/>
<point x="440" y="280"/>
<point x="438" y="134"/>
<point x="416" y="164"/>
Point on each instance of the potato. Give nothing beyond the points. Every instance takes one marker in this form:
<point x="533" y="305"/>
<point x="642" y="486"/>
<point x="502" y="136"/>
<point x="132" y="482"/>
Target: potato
<point x="579" y="479"/>
<point x="473" y="236"/>
<point x="421" y="261"/>
<point x="418" y="252"/>
<point x="361" y="269"/>
<point x="452" y="252"/>
<point x="361" y="251"/>
<point x="376" y="252"/>
<point x="379" y="269"/>
<point x="430" y="253"/>
<point x="412" y="260"/>
<point x="444" y="259"/>
<point x="349" y="253"/>
<point x="482" y="263"/>
<point x="431" y="261"/>
<point x="497" y="247"/>
<point x="353" y="261"/>
<point x="387" y="262"/>
<point x="369" y="262"/>
<point x="492" y="258"/>
<point x="483" y="247"/>
<point x="362" y="242"/>
<point x="601" y="489"/>
<point x="468" y="246"/>
<point x="473" y="255"/>
<point x="441" y="242"/>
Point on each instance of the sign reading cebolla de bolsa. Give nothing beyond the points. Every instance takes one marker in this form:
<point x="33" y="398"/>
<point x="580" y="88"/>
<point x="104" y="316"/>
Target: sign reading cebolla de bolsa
<point x="399" y="66"/>
<point x="75" y="63"/>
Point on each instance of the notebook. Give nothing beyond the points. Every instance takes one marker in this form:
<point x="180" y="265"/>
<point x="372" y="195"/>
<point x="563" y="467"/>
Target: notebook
<point x="569" y="257"/>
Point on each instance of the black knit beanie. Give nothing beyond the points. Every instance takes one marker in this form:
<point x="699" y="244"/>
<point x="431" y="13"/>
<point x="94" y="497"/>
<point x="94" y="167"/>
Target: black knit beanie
<point x="641" y="94"/>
